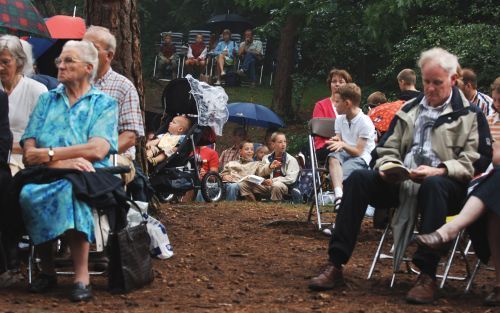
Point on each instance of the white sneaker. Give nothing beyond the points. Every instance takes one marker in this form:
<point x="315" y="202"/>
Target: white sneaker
<point x="328" y="231"/>
<point x="370" y="211"/>
<point x="217" y="83"/>
<point x="223" y="73"/>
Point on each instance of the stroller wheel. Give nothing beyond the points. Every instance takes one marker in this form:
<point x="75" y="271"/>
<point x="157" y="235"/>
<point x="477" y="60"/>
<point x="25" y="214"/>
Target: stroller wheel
<point x="212" y="188"/>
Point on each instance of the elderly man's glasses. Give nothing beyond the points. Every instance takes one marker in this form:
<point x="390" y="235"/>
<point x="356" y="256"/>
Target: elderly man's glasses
<point x="66" y="60"/>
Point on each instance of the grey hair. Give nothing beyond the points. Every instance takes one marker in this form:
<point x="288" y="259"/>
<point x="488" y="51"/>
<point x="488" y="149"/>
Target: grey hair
<point x="103" y="34"/>
<point x="13" y="45"/>
<point x="86" y="52"/>
<point x="28" y="50"/>
<point x="441" y="57"/>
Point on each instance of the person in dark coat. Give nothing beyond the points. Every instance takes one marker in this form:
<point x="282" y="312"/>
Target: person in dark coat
<point x="7" y="269"/>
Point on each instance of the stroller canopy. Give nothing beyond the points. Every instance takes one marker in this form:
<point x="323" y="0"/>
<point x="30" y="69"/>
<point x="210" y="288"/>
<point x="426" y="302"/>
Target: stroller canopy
<point x="194" y="98"/>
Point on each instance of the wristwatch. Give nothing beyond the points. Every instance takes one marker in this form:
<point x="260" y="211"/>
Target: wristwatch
<point x="51" y="154"/>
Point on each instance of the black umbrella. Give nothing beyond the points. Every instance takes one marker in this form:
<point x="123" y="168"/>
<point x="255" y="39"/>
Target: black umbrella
<point x="234" y="22"/>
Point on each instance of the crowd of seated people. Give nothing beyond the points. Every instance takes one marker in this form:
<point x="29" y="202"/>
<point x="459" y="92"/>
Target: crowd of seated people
<point x="441" y="151"/>
<point x="224" y="54"/>
<point x="440" y="134"/>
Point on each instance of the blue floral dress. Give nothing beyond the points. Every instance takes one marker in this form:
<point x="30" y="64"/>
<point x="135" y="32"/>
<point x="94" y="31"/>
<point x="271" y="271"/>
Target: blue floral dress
<point x="51" y="209"/>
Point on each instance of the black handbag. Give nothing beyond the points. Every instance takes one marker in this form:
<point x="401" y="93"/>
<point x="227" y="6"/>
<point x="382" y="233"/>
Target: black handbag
<point x="130" y="264"/>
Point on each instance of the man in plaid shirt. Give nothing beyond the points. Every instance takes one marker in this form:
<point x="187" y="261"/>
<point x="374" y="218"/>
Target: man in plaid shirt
<point x="130" y="124"/>
<point x="479" y="99"/>
<point x="233" y="153"/>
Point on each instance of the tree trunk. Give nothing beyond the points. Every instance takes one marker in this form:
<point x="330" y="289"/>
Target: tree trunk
<point x="45" y="7"/>
<point x="282" y="95"/>
<point x="120" y="16"/>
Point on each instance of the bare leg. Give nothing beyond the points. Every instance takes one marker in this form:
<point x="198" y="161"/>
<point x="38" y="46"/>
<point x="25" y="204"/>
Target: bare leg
<point x="250" y="197"/>
<point x="220" y="65"/>
<point x="471" y="211"/>
<point x="79" y="247"/>
<point x="159" y="158"/>
<point x="493" y="235"/>
<point x="335" y="172"/>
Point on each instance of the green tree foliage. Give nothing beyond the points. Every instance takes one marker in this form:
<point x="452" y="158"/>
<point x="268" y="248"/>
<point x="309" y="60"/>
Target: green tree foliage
<point x="371" y="39"/>
<point x="403" y="29"/>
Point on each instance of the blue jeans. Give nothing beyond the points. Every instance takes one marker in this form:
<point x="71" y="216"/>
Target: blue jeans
<point x="232" y="191"/>
<point x="249" y="65"/>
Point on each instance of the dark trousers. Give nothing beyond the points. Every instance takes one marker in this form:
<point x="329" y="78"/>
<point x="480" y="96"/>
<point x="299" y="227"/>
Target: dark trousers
<point x="438" y="197"/>
<point x="249" y="65"/>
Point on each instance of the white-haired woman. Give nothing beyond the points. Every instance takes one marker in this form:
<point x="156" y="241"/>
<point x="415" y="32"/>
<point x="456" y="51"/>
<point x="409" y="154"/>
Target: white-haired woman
<point x="23" y="91"/>
<point x="75" y="127"/>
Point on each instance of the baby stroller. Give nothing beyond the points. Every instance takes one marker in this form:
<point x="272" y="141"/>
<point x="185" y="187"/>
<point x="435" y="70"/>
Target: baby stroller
<point x="205" y="106"/>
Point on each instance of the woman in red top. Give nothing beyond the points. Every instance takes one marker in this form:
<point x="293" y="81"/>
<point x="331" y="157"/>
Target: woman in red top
<point x="326" y="108"/>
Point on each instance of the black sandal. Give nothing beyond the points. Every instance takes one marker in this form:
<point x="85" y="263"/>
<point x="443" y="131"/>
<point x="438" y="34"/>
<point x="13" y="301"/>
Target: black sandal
<point x="336" y="204"/>
<point x="43" y="282"/>
<point x="80" y="292"/>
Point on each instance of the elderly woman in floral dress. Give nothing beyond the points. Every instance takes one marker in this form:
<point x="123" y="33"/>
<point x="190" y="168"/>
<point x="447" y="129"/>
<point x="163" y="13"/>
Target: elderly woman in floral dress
<point x="73" y="127"/>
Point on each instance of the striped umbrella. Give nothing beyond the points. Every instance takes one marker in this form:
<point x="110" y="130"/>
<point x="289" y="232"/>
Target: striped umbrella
<point x="21" y="17"/>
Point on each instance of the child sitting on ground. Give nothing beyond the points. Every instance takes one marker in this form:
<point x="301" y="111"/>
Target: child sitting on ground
<point x="166" y="144"/>
<point x="260" y="152"/>
<point x="354" y="138"/>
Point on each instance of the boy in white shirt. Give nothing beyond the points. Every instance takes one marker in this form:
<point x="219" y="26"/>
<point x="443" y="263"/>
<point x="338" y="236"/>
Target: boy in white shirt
<point x="354" y="138"/>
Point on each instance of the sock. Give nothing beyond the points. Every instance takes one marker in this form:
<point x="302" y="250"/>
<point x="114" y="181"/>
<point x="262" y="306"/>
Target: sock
<point x="338" y="192"/>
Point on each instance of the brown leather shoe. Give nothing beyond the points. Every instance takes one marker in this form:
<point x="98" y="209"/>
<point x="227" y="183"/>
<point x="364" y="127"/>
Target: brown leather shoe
<point x="424" y="291"/>
<point x="493" y="299"/>
<point x="432" y="240"/>
<point x="329" y="279"/>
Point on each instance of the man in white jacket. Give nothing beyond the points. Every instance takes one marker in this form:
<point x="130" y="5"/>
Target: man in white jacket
<point x="281" y="168"/>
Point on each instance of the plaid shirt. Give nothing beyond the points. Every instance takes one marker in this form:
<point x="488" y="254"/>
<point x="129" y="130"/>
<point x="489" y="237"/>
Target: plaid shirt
<point x="421" y="150"/>
<point x="494" y="123"/>
<point x="484" y="102"/>
<point x="129" y="116"/>
<point x="228" y="155"/>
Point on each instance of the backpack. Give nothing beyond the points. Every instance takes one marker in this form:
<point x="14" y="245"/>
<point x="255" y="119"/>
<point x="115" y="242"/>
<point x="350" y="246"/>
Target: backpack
<point x="305" y="184"/>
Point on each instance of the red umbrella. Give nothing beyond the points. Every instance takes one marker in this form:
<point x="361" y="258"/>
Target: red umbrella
<point x="20" y="16"/>
<point x="66" y="27"/>
<point x="383" y="114"/>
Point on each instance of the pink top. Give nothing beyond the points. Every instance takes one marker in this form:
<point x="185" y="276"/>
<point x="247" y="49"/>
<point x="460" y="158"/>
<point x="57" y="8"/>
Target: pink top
<point x="323" y="108"/>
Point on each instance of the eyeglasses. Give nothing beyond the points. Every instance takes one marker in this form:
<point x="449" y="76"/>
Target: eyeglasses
<point x="66" y="60"/>
<point x="5" y="62"/>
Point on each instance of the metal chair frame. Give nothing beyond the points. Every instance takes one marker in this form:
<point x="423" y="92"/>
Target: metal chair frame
<point x="456" y="249"/>
<point x="180" y="51"/>
<point x="323" y="127"/>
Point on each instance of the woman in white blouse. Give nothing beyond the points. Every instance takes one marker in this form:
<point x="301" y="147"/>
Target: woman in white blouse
<point x="23" y="92"/>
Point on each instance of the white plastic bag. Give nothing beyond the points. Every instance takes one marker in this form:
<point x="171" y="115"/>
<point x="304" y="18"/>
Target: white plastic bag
<point x="160" y="246"/>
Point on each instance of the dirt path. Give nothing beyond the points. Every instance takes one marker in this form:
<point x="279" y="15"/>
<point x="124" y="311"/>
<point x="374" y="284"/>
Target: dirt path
<point x="228" y="259"/>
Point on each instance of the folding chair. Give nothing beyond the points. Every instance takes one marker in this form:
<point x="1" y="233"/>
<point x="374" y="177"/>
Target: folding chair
<point x="457" y="248"/>
<point x="206" y="39"/>
<point x="180" y="52"/>
<point x="323" y="127"/>
<point x="264" y="47"/>
<point x="260" y="63"/>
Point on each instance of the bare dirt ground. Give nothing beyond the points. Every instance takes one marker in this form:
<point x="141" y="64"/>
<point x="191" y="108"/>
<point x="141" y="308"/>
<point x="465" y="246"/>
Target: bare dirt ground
<point x="229" y="259"/>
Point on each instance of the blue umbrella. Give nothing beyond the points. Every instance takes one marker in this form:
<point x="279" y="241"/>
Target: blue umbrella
<point x="40" y="45"/>
<point x="247" y="113"/>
